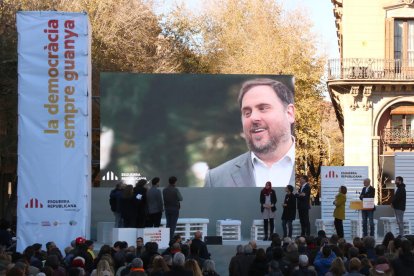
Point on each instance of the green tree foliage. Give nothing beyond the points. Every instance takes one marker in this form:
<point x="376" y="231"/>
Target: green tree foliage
<point x="260" y="37"/>
<point x="226" y="37"/>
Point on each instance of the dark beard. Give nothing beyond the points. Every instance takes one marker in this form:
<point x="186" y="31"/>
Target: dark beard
<point x="264" y="149"/>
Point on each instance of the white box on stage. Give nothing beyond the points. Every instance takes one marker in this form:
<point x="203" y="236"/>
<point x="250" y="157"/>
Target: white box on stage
<point x="159" y="235"/>
<point x="229" y="229"/>
<point x="125" y="234"/>
<point x="105" y="232"/>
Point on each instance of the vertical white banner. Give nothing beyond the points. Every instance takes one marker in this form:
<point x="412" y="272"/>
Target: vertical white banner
<point x="54" y="123"/>
<point x="334" y="177"/>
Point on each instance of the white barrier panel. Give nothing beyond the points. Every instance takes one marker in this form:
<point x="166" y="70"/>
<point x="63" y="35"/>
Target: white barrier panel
<point x="104" y="232"/>
<point x="54" y="145"/>
<point x="390" y="225"/>
<point x="229" y="230"/>
<point x="186" y="227"/>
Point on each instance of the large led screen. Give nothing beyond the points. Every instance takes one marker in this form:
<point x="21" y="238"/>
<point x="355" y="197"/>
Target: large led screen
<point x="186" y="125"/>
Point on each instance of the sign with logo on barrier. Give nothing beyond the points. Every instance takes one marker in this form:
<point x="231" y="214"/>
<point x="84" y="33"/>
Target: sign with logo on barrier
<point x="54" y="145"/>
<point x="159" y="235"/>
<point x="331" y="179"/>
<point x="368" y="203"/>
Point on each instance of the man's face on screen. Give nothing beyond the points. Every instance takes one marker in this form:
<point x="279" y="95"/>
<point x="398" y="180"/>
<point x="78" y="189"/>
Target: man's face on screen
<point x="266" y="121"/>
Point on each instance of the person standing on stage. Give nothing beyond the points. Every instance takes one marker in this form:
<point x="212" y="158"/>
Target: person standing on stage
<point x="140" y="194"/>
<point x="115" y="199"/>
<point x="339" y="212"/>
<point x="367" y="192"/>
<point x="154" y="204"/>
<point x="172" y="198"/>
<point x="303" y="199"/>
<point x="398" y="203"/>
<point x="289" y="211"/>
<point x="268" y="208"/>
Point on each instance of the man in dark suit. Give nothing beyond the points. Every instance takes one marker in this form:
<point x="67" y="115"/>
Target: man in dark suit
<point x="303" y="201"/>
<point x="398" y="203"/>
<point x="268" y="115"/>
<point x="368" y="192"/>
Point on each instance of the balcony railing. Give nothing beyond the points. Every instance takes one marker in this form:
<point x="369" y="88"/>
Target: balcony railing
<point x="398" y="137"/>
<point x="370" y="68"/>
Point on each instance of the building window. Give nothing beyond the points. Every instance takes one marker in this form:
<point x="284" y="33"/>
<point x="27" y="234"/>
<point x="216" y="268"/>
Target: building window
<point x="402" y="118"/>
<point x="404" y="42"/>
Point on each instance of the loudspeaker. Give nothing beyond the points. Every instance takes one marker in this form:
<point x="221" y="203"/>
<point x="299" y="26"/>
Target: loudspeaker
<point x="213" y="240"/>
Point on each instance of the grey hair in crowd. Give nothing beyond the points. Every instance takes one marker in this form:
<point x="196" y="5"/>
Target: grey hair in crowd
<point x="209" y="266"/>
<point x="178" y="259"/>
<point x="248" y="249"/>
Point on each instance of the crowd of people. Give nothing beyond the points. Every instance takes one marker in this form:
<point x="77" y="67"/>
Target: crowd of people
<point x="320" y="255"/>
<point x="325" y="256"/>
<point x="180" y="258"/>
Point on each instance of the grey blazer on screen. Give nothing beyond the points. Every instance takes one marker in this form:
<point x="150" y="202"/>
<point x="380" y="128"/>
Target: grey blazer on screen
<point x="237" y="172"/>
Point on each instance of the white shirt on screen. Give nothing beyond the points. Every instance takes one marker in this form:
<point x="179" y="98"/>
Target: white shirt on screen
<point x="278" y="174"/>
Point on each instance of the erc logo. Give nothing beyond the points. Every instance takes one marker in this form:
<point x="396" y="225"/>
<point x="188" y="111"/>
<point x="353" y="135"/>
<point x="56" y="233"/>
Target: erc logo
<point x="331" y="174"/>
<point x="33" y="203"/>
<point x="110" y="176"/>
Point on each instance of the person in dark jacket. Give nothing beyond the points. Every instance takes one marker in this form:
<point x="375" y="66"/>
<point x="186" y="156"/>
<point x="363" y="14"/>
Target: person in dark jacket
<point x="303" y="200"/>
<point x="404" y="264"/>
<point x="128" y="210"/>
<point x="259" y="265"/>
<point x="200" y="246"/>
<point x="172" y="198"/>
<point x="398" y="203"/>
<point x="268" y="208"/>
<point x="154" y="204"/>
<point x="368" y="192"/>
<point x="140" y="202"/>
<point x="289" y="211"/>
<point x="115" y="198"/>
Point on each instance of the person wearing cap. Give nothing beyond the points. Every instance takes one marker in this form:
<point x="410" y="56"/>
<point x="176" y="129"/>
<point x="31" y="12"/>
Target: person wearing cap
<point x="81" y="250"/>
<point x="154" y="204"/>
